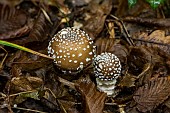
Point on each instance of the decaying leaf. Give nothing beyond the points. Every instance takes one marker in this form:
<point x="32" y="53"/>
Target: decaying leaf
<point x="144" y="83"/>
<point x="40" y="29"/>
<point x="22" y="97"/>
<point x="93" y="100"/>
<point x="152" y="94"/>
<point x="68" y="106"/>
<point x="26" y="61"/>
<point x="12" y="22"/>
<point x="98" y="14"/>
<point x="112" y="46"/>
<point x="156" y="39"/>
<point x="127" y="81"/>
<point x="155" y="22"/>
<point x="141" y="8"/>
<point x="146" y="73"/>
<point x="139" y="56"/>
<point x="23" y="88"/>
<point x="167" y="103"/>
<point x="20" y="84"/>
<point x="11" y="3"/>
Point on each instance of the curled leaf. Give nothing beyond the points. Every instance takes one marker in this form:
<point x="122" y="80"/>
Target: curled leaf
<point x="40" y="29"/>
<point x="139" y="56"/>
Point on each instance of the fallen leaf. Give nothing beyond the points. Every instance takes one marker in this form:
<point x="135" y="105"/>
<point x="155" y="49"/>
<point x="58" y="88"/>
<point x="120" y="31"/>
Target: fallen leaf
<point x="98" y="14"/>
<point x="127" y="81"/>
<point x="22" y="97"/>
<point x="93" y="100"/>
<point x="20" y="84"/>
<point x="27" y="62"/>
<point x="154" y="22"/>
<point x="40" y="29"/>
<point x="12" y="22"/>
<point x="139" y="56"/>
<point x="68" y="106"/>
<point x="110" y="45"/>
<point x="149" y="96"/>
<point x="157" y="39"/>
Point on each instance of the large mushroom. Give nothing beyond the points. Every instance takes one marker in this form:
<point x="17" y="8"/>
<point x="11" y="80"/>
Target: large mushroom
<point x="72" y="50"/>
<point x="107" y="69"/>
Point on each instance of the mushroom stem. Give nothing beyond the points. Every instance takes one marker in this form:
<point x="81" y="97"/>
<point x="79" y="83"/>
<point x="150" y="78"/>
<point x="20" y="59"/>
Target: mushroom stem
<point x="107" y="86"/>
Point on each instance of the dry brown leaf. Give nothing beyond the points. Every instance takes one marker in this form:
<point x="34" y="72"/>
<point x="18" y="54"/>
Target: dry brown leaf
<point x="98" y="14"/>
<point x="93" y="100"/>
<point x="110" y="45"/>
<point x="127" y="81"/>
<point x="68" y="106"/>
<point x="11" y="3"/>
<point x="155" y="22"/>
<point x="156" y="36"/>
<point x="26" y="61"/>
<point x="20" y="84"/>
<point x="139" y="56"/>
<point x="149" y="96"/>
<point x="40" y="29"/>
<point x="167" y="103"/>
<point x="25" y="83"/>
<point x="12" y="22"/>
<point x="156" y="39"/>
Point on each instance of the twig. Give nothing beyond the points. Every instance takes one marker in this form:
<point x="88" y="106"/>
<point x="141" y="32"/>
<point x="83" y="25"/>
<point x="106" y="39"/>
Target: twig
<point x="51" y="92"/>
<point x="66" y="82"/>
<point x="25" y="109"/>
<point x="62" y="106"/>
<point x="121" y="108"/>
<point x="125" y="32"/>
<point x="46" y="16"/>
<point x="17" y="94"/>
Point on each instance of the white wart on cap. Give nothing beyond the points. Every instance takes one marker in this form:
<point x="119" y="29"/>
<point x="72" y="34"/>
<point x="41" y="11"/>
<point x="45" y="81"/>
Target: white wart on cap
<point x="72" y="49"/>
<point x="107" y="68"/>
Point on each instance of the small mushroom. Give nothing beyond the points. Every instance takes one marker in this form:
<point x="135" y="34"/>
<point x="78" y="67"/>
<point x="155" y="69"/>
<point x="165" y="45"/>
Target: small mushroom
<point x="72" y="50"/>
<point x="107" y="69"/>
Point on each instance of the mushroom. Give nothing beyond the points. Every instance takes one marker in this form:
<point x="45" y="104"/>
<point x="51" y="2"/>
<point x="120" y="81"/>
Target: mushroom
<point x="107" y="68"/>
<point x="72" y="50"/>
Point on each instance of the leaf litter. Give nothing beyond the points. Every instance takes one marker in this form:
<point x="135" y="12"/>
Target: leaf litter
<point x="138" y="35"/>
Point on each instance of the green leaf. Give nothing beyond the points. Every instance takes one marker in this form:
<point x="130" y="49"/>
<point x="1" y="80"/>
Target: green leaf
<point x="155" y="3"/>
<point x="131" y="3"/>
<point x="23" y="48"/>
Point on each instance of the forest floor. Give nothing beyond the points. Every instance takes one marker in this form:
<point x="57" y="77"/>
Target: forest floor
<point x="139" y="36"/>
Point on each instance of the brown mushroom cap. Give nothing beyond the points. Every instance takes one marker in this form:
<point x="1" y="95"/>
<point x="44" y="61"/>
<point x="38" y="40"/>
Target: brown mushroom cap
<point x="107" y="66"/>
<point x="71" y="49"/>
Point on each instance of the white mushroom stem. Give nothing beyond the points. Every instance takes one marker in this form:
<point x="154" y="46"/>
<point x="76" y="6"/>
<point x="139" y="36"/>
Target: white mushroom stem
<point x="107" y="86"/>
